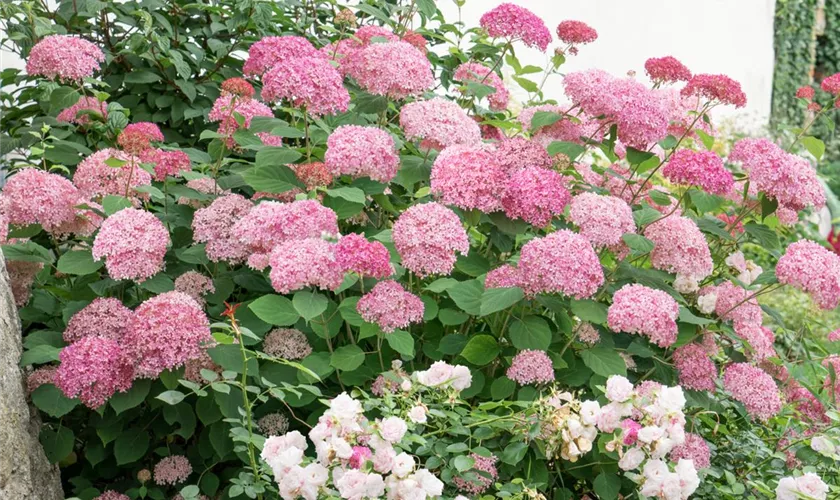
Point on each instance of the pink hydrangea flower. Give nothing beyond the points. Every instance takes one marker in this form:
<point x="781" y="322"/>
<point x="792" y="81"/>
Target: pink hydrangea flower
<point x="535" y="195"/>
<point x="307" y="82"/>
<point x="602" y="220"/>
<point x="832" y="362"/>
<point x="666" y="70"/>
<point x="362" y="152"/>
<point x="479" y="73"/>
<point x="732" y="304"/>
<point x="788" y="178"/>
<point x="133" y="243"/>
<point x="238" y="87"/>
<point x="40" y="376"/>
<point x="21" y="276"/>
<point x="312" y="175"/>
<point x="754" y="388"/>
<point x="196" y="285"/>
<point x="811" y="409"/>
<point x="505" y="276"/>
<point x="834" y="336"/>
<point x="759" y="338"/>
<point x="644" y="311"/>
<point x="531" y="367"/>
<point x="296" y="264"/>
<point x="193" y="367"/>
<point x="136" y="138"/>
<point x="227" y="106"/>
<point x="812" y="268"/>
<point x="565" y="129"/>
<point x="699" y="168"/>
<point x="287" y="343"/>
<point x="96" y="179"/>
<point x="63" y="57"/>
<point x="112" y="495"/>
<point x="427" y="236"/>
<point x="214" y="226"/>
<point x="167" y="163"/>
<point x="562" y="262"/>
<point x="478" y="483"/>
<point x="271" y="223"/>
<point x="680" y="247"/>
<point x="805" y="92"/>
<point x="468" y="177"/>
<point x="165" y="332"/>
<point x="693" y="448"/>
<point x="85" y="104"/>
<point x="93" y="368"/>
<point x="831" y="84"/>
<point x="354" y="253"/>
<point x="438" y="123"/>
<point x="276" y="50"/>
<point x="341" y="51"/>
<point x="695" y="368"/>
<point x="172" y="470"/>
<point x="104" y="317"/>
<point x="519" y="152"/>
<point x="33" y="196"/>
<point x="390" y="306"/>
<point x="393" y="69"/>
<point x="718" y="88"/>
<point x="513" y="23"/>
<point x="576" y="32"/>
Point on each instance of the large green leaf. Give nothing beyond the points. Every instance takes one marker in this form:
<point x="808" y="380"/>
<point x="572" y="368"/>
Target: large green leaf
<point x="604" y="361"/>
<point x="57" y="444"/>
<point x="401" y="341"/>
<point x="499" y="299"/>
<point x="348" y="357"/>
<point x="607" y="485"/>
<point x="467" y="295"/>
<point x="309" y="304"/>
<point x="50" y="400"/>
<point x="275" y="178"/>
<point x="589" y="310"/>
<point x="530" y="332"/>
<point x="132" y="398"/>
<point x="131" y="446"/>
<point x="480" y="350"/>
<point x="275" y="309"/>
<point x="78" y="262"/>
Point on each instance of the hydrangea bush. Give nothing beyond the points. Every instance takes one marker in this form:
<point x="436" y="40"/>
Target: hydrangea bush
<point x="282" y="250"/>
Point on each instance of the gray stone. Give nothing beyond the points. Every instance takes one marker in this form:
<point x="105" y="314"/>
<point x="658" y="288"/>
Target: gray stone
<point x="25" y="472"/>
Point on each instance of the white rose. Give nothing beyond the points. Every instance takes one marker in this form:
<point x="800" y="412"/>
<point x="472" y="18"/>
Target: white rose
<point x="436" y="375"/>
<point x="291" y="482"/>
<point x="341" y="447"/>
<point x="650" y="434"/>
<point x="316" y="474"/>
<point x="609" y="418"/>
<point x="821" y="444"/>
<point x="403" y="465"/>
<point x="392" y="429"/>
<point x="417" y="414"/>
<point x="343" y="407"/>
<point x="686" y="284"/>
<point x="405" y="385"/>
<point x="462" y="378"/>
<point x="374" y="486"/>
<point x="736" y="261"/>
<point x="589" y="412"/>
<point x="619" y="389"/>
<point x="584" y="445"/>
<point x="689" y="481"/>
<point x="671" y="487"/>
<point x="430" y="484"/>
<point x="383" y="460"/>
<point x="811" y="485"/>
<point x="671" y="399"/>
<point x="706" y="303"/>
<point x="351" y="484"/>
<point x="786" y="490"/>
<point x="632" y="459"/>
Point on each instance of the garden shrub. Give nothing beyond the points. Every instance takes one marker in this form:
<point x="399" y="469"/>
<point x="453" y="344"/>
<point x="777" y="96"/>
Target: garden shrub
<point x="290" y="249"/>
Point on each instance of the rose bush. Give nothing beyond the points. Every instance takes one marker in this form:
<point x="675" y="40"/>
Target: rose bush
<point x="294" y="250"/>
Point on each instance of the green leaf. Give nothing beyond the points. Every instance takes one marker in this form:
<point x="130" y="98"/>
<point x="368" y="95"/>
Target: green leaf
<point x="78" y="262"/>
<point x="480" y="90"/>
<point x="530" y="332"/>
<point x="499" y="299"/>
<point x="370" y="104"/>
<point x="112" y="204"/>
<point x="131" y="446"/>
<point x="57" y="444"/>
<point x="348" y="357"/>
<point x="62" y="98"/>
<point x="814" y="146"/>
<point x="275" y="156"/>
<point x="603" y="361"/>
<point x="686" y="316"/>
<point x="132" y="398"/>
<point x="766" y="237"/>
<point x="708" y="140"/>
<point x="645" y="216"/>
<point x="514" y="452"/>
<point x="351" y="194"/>
<point x="141" y="76"/>
<point x="480" y="350"/>
<point x="607" y="486"/>
<point x="401" y="341"/>
<point x="467" y="295"/>
<point x="502" y="388"/>
<point x="275" y="310"/>
<point x="272" y="179"/>
<point x="767" y="277"/>
<point x="768" y="206"/>
<point x="50" y="400"/>
<point x="463" y="463"/>
<point x="705" y="202"/>
<point x="636" y="157"/>
<point x="40" y="354"/>
<point x="171" y="397"/>
<point x="711" y="225"/>
<point x="526" y="84"/>
<point x="589" y="310"/>
<point x="544" y="119"/>
<point x="570" y="149"/>
<point x="309" y="304"/>
<point x="638" y="244"/>
<point x="660" y="198"/>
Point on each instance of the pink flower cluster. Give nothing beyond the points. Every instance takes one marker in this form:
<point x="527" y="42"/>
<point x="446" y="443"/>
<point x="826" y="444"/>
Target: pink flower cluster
<point x="438" y="123"/>
<point x="666" y="69"/>
<point x="644" y="311"/>
<point x="214" y="225"/>
<point x="695" y="449"/>
<point x="67" y="58"/>
<point x="362" y="152"/>
<point x="788" y="178"/>
<point x="759" y="338"/>
<point x="167" y="163"/>
<point x="576" y="32"/>
<point x="506" y="276"/>
<point x="531" y="367"/>
<point x="276" y="50"/>
<point x="718" y="88"/>
<point x="228" y="105"/>
<point x="112" y="495"/>
<point x="80" y="112"/>
<point x="562" y="262"/>
<point x="296" y="264"/>
<point x="94" y="368"/>
<point x="831" y="84"/>
<point x="535" y="195"/>
<point x="33" y="196"/>
<point x="468" y="177"/>
<point x="479" y="73"/>
<point x="287" y="343"/>
<point x="602" y="220"/>
<point x="731" y="304"/>
<point x="96" y="179"/>
<point x="427" y="236"/>
<point x="695" y="368"/>
<point x="133" y="243"/>
<point x="753" y="387"/>
<point x="196" y="285"/>
<point x="699" y="168"/>
<point x="442" y="375"/>
<point x="519" y="153"/>
<point x="566" y="129"/>
<point x="476" y="484"/>
<point x="513" y="23"/>
<point x="394" y="69"/>
<point x="172" y="470"/>
<point x="354" y="253"/>
<point x="679" y="247"/>
<point x="136" y="138"/>
<point x="390" y="306"/>
<point x="307" y="82"/>
<point x="814" y="269"/>
<point x="104" y="317"/>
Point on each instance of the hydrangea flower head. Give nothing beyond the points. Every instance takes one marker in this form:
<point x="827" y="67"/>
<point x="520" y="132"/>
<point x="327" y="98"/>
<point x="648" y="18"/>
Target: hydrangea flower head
<point x="694" y="448"/>
<point x="506" y="276"/>
<point x="165" y="332"/>
<point x="516" y="23"/>
<point x="96" y="179"/>
<point x="427" y="236"/>
<point x="362" y="152"/>
<point x="276" y="50"/>
<point x="535" y="195"/>
<point x="531" y="367"/>
<point x="296" y="264"/>
<point x="718" y="88"/>
<point x="699" y="168"/>
<point x="576" y="32"/>
<point x="172" y="470"/>
<point x="225" y="110"/>
<point x="519" y="152"/>
<point x="196" y="285"/>
<point x="390" y="306"/>
<point x="753" y="387"/>
<point x="831" y="84"/>
<point x="478" y="483"/>
<point x="79" y="113"/>
<point x="307" y="82"/>
<point x="479" y="73"/>
<point x="666" y="70"/>
<point x="167" y="163"/>
<point x="644" y="311"/>
<point x="104" y="317"/>
<point x="33" y="196"/>
<point x="393" y="69"/>
<point x="238" y="87"/>
<point x="759" y="338"/>
<point x="287" y="343"/>
<point x="65" y="58"/>
<point x="805" y="92"/>
<point x="354" y="253"/>
<point x="679" y="247"/>
<point x="695" y="368"/>
<point x="136" y="138"/>
<point x="810" y="267"/>
<point x="438" y="123"/>
<point x="468" y="177"/>
<point x="214" y="224"/>
<point x="94" y="368"/>
<point x="133" y="243"/>
<point x="731" y="304"/>
<point x="562" y="262"/>
<point x="602" y="220"/>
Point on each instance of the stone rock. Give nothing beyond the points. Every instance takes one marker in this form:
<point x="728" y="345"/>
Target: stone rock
<point x="25" y="472"/>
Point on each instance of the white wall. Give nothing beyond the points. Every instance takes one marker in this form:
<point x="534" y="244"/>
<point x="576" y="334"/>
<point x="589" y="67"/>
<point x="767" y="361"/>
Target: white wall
<point x="734" y="37"/>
